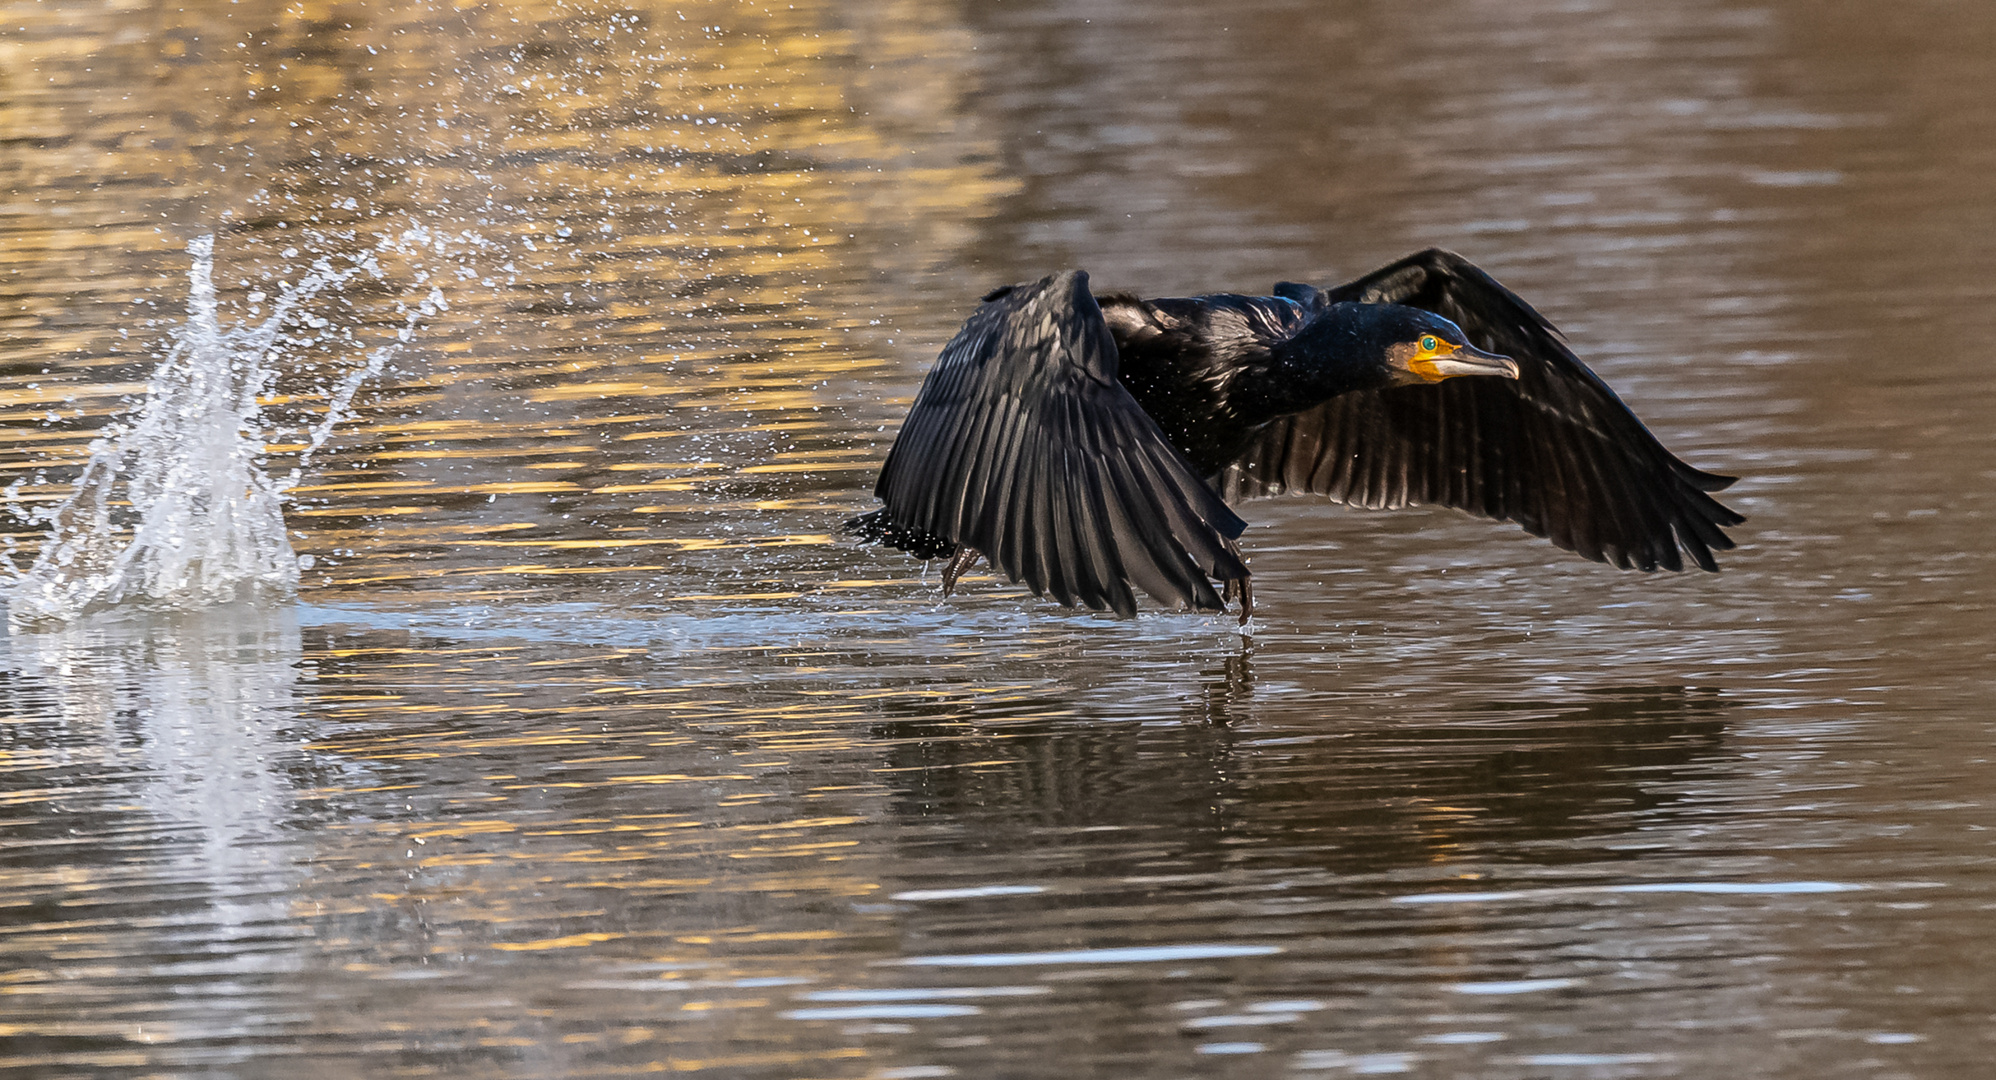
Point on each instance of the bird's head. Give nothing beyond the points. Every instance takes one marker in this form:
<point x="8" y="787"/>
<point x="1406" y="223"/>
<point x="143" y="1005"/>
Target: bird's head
<point x="1422" y="347"/>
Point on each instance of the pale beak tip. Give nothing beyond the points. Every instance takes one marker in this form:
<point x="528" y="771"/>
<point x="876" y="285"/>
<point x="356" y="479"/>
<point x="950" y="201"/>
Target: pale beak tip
<point x="1499" y="364"/>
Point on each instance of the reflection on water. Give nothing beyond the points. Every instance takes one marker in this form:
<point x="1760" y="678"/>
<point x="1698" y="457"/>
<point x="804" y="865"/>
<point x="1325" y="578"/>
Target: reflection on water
<point x="196" y="710"/>
<point x="157" y="837"/>
<point x="589" y="750"/>
<point x="1367" y="798"/>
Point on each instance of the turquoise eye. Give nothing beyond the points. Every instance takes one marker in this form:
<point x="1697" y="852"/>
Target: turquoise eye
<point x="1428" y="343"/>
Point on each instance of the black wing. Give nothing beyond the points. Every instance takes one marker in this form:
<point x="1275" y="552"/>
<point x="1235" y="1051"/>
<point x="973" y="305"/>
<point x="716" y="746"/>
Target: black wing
<point x="1555" y="450"/>
<point x="1023" y="446"/>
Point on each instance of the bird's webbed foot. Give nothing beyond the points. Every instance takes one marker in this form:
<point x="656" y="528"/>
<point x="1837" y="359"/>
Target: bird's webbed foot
<point x="1241" y="587"/>
<point x="965" y="557"/>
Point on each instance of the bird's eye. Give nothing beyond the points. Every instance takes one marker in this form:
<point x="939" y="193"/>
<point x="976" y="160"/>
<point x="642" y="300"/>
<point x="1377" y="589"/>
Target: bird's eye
<point x="1428" y="343"/>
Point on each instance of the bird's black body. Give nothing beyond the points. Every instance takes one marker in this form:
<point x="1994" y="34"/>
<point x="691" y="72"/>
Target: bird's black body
<point x="1212" y="370"/>
<point x="1202" y="367"/>
<point x="1086" y="445"/>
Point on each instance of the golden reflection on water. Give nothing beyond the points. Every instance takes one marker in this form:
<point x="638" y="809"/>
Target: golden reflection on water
<point x="657" y="192"/>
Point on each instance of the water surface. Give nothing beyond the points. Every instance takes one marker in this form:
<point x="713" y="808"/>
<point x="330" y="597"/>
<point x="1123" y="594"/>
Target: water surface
<point x="589" y="749"/>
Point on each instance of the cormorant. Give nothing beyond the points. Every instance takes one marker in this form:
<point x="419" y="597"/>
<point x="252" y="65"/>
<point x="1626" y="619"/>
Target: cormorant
<point x="1086" y="444"/>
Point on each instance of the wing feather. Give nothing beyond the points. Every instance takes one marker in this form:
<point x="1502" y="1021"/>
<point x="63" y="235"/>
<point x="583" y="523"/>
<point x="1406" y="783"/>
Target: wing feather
<point x="1555" y="450"/>
<point x="1022" y="445"/>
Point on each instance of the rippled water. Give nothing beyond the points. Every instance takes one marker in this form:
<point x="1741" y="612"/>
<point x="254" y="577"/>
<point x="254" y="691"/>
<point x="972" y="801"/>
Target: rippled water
<point x="587" y="749"/>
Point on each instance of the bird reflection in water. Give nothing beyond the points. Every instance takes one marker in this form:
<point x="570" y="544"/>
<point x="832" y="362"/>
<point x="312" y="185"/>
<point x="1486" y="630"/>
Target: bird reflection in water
<point x="1512" y="780"/>
<point x="1226" y="686"/>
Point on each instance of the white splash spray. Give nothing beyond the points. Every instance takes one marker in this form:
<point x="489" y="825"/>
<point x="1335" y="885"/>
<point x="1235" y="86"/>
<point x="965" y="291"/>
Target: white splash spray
<point x="173" y="509"/>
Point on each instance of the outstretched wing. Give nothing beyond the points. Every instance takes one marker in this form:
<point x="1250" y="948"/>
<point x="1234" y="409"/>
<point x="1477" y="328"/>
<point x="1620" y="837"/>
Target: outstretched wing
<point x="1023" y="446"/>
<point x="1555" y="450"/>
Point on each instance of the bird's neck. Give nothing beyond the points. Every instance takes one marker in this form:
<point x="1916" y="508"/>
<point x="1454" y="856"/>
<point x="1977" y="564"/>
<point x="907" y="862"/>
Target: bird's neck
<point x="1330" y="355"/>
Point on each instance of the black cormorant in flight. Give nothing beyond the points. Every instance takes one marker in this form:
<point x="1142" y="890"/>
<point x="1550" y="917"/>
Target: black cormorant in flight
<point x="1087" y="444"/>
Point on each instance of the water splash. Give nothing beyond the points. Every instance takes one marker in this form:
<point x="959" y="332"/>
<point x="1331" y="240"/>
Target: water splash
<point x="174" y="508"/>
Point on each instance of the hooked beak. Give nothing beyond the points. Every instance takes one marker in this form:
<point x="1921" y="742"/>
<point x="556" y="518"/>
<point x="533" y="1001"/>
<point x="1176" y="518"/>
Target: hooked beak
<point x="1468" y="360"/>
